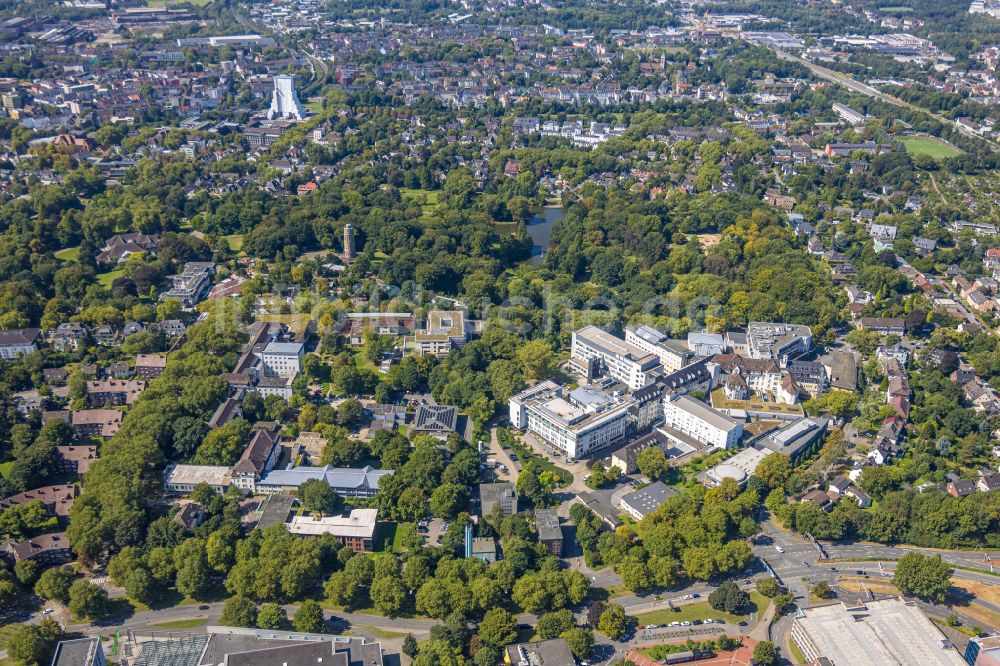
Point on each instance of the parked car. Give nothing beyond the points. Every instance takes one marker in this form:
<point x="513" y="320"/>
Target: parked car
<point x="779" y="549"/>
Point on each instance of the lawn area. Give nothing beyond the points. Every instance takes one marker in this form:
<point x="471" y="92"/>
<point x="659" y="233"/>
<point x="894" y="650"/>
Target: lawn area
<point x="392" y="536"/>
<point x="105" y="279"/>
<point x="235" y="241"/>
<point x="422" y="197"/>
<point x="928" y="145"/>
<point x="381" y="633"/>
<point x="426" y="199"/>
<point x="701" y="610"/>
<point x="5" y="468"/>
<point x="610" y="592"/>
<point x="68" y="254"/>
<point x="189" y="623"/>
<point x="524" y="454"/>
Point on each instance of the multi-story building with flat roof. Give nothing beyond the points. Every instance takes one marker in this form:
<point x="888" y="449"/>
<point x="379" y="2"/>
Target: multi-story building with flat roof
<point x="497" y="496"/>
<point x="687" y="418"/>
<point x="777" y="341"/>
<point x="673" y="354"/>
<point x="282" y="359"/>
<point x="553" y="652"/>
<point x="614" y="357"/>
<point x="192" y="285"/>
<point x="796" y="439"/>
<point x="183" y="478"/>
<point x="356" y="531"/>
<point x="579" y="422"/>
<point x="445" y="331"/>
<point x="79" y="652"/>
<point x="549" y="532"/>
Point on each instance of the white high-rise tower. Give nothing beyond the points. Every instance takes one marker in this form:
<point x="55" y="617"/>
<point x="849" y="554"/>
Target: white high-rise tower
<point x="284" y="101"/>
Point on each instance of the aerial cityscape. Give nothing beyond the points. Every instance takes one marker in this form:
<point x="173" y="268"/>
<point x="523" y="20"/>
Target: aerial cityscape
<point x="499" y="332"/>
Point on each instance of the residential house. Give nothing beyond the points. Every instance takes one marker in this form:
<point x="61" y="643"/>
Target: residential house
<point x="120" y="247"/>
<point x="68" y="336"/>
<point x="150" y="366"/>
<point x="75" y="459"/>
<point x="115" y="392"/>
<point x="883" y="325"/>
<point x="988" y="481"/>
<point x="57" y="500"/>
<point x="103" y="423"/>
<point x="960" y="488"/>
<point x="46" y="549"/>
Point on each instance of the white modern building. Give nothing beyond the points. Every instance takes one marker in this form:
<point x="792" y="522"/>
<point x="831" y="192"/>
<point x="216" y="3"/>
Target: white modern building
<point x="777" y="341"/>
<point x="739" y="468"/>
<point x="580" y="422"/>
<point x="356" y="530"/>
<point x="687" y="418"/>
<point x="282" y="359"/>
<point x="706" y="344"/>
<point x="673" y="354"/>
<point x="285" y="101"/>
<point x="614" y="357"/>
<point x="183" y="478"/>
<point x="847" y="114"/>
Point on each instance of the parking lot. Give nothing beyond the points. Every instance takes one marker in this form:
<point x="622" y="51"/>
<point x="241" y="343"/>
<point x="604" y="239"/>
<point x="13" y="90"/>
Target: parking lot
<point x="433" y="532"/>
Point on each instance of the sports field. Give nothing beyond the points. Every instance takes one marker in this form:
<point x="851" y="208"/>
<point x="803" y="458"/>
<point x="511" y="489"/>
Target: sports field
<point x="928" y="145"/>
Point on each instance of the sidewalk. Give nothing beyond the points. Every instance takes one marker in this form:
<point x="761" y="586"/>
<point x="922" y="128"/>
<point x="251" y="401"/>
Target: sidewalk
<point x="762" y="630"/>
